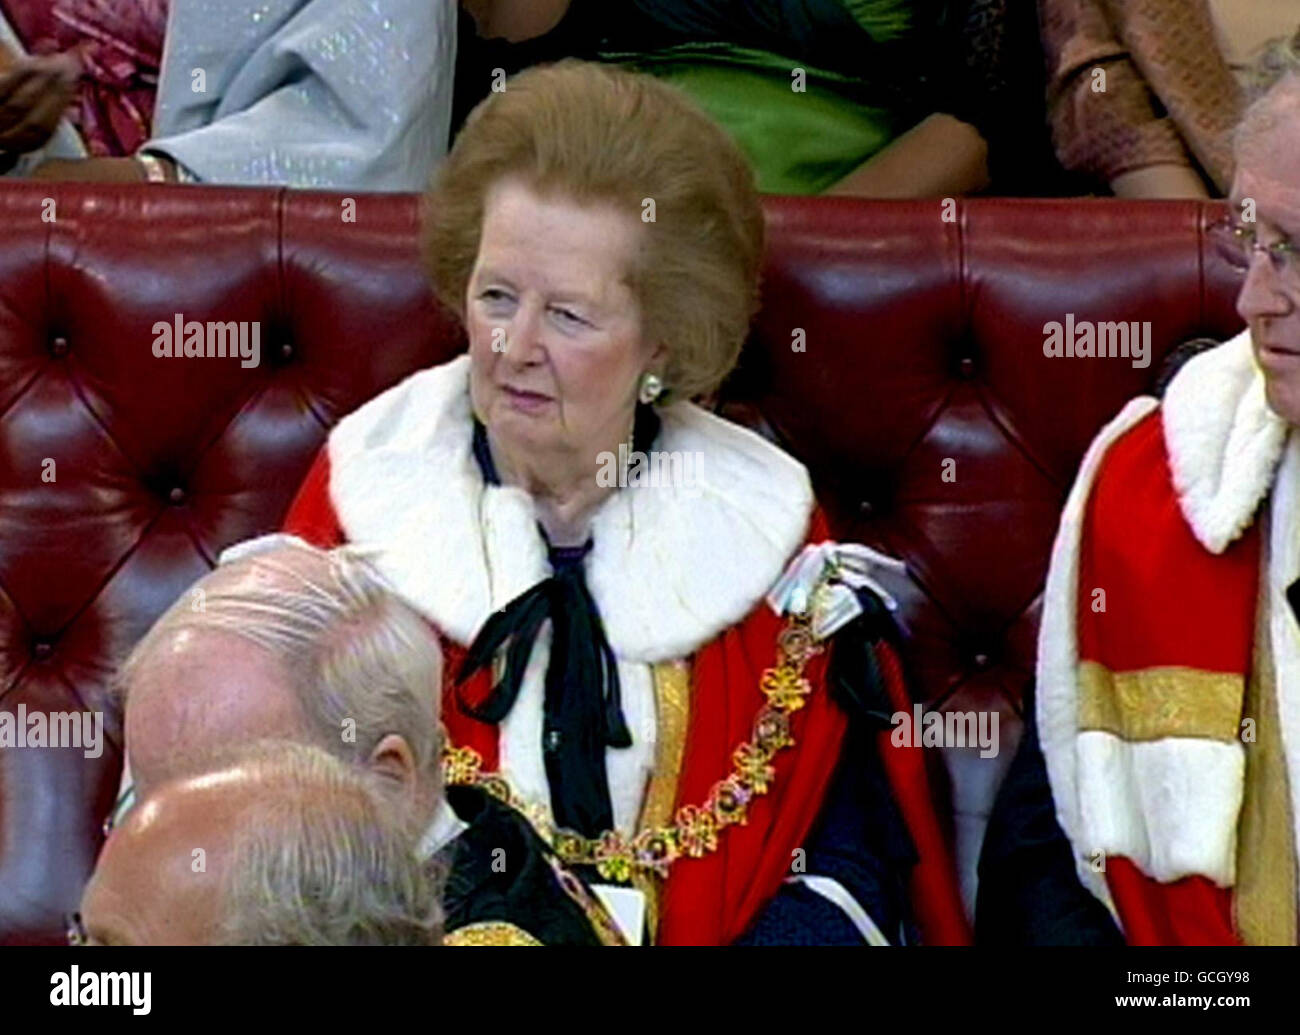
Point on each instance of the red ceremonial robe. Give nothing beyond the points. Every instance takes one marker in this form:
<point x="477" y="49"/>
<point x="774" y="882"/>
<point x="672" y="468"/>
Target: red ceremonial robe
<point x="713" y="899"/>
<point x="1168" y="599"/>
<point x="1149" y="637"/>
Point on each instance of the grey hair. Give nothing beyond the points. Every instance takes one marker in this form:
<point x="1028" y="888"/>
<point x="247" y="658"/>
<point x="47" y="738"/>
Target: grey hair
<point x="362" y="663"/>
<point x="319" y="857"/>
<point x="1279" y="103"/>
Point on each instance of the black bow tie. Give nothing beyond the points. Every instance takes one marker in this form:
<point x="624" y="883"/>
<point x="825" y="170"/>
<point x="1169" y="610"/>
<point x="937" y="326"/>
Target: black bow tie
<point x="582" y="711"/>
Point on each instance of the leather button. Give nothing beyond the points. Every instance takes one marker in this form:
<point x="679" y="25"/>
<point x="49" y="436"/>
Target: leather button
<point x="982" y="661"/>
<point x="59" y="348"/>
<point x="42" y="650"/>
<point x="286" y="350"/>
<point x="176" y="496"/>
<point x="967" y="367"/>
<point x="552" y="741"/>
<point x="866" y="508"/>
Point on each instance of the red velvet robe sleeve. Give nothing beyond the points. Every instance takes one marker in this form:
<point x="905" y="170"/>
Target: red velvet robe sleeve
<point x="311" y="515"/>
<point x="1167" y="602"/>
<point x="712" y="900"/>
<point x="935" y="895"/>
<point x="1191" y="911"/>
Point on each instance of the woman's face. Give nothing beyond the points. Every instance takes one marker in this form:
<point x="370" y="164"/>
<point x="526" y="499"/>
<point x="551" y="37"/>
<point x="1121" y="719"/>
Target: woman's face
<point x="555" y="338"/>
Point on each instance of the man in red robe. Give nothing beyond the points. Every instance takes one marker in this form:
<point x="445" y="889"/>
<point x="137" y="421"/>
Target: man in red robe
<point x="1169" y="662"/>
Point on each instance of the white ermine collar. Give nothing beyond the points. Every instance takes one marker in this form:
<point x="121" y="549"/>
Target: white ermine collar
<point x="671" y="567"/>
<point x="1224" y="442"/>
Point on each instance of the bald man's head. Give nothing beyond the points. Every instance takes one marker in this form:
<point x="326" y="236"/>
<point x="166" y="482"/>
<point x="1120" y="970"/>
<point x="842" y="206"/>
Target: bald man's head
<point x="289" y="642"/>
<point x="200" y="690"/>
<point x="277" y="844"/>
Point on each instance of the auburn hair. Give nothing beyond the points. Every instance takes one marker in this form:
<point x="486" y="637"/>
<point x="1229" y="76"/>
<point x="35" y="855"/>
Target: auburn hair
<point x="598" y="134"/>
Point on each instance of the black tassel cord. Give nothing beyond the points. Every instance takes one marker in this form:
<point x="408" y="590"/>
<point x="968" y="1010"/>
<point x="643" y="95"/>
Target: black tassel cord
<point x="582" y="709"/>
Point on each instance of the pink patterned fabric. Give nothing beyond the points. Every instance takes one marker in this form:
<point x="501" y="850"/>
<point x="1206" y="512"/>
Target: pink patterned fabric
<point x="1169" y="96"/>
<point x="120" y="44"/>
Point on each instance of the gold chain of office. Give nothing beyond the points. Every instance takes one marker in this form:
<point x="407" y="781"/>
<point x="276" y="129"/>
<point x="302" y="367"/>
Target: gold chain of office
<point x="695" y="828"/>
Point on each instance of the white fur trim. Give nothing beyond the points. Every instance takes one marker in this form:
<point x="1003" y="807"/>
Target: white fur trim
<point x="1283" y="569"/>
<point x="1224" y="442"/>
<point x="1170" y="805"/>
<point x="1058" y="657"/>
<point x="671" y="567"/>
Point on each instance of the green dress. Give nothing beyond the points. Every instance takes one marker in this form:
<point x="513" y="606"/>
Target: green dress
<point x="804" y="125"/>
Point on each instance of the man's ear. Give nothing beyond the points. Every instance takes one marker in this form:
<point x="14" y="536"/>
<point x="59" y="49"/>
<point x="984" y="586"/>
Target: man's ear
<point x="392" y="758"/>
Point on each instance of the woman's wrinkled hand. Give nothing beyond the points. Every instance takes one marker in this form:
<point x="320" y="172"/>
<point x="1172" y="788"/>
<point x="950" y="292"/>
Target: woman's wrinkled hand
<point x="34" y="93"/>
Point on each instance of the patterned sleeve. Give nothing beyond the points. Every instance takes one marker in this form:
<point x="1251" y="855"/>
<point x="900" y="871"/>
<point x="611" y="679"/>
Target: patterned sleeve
<point x="1101" y="133"/>
<point x="308" y="93"/>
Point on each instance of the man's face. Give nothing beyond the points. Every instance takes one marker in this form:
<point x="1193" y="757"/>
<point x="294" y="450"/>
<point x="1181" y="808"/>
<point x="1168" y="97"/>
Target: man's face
<point x="200" y="692"/>
<point x="1268" y="173"/>
<point x="158" y="880"/>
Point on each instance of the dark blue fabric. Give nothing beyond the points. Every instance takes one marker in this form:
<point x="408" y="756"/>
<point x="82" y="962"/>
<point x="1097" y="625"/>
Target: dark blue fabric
<point x="860" y="838"/>
<point x="1029" y="891"/>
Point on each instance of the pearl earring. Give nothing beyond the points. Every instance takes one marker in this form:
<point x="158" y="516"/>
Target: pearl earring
<point x="651" y="388"/>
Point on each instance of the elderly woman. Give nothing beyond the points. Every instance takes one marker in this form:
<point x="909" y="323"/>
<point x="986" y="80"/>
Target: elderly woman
<point x="637" y="655"/>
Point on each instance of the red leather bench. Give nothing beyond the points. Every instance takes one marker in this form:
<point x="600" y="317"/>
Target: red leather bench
<point x="923" y="343"/>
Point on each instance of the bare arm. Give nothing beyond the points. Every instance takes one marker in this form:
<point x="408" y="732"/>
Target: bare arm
<point x="938" y="157"/>
<point x="1159" y="181"/>
<point x="97" y="170"/>
<point x="34" y="92"/>
<point x="516" y="20"/>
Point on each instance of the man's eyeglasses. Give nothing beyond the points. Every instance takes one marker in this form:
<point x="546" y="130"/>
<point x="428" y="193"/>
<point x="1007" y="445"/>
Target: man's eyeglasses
<point x="76" y="930"/>
<point x="124" y="804"/>
<point x="1237" y="243"/>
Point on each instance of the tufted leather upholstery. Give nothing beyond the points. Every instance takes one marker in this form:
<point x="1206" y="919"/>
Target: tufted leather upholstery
<point x="923" y="342"/>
